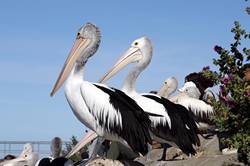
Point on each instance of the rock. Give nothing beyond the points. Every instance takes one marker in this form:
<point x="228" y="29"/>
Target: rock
<point x="210" y="146"/>
<point x="233" y="161"/>
<point x="105" y="162"/>
<point x="109" y="162"/>
<point x="209" y="155"/>
<point x="217" y="160"/>
<point x="229" y="151"/>
<point x="156" y="145"/>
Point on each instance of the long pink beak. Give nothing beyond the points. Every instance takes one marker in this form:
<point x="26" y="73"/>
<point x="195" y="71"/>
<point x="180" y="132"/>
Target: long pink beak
<point x="75" y="52"/>
<point x="90" y="136"/>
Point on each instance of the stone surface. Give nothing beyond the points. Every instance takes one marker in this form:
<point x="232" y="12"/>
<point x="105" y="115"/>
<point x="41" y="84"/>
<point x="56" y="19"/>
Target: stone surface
<point x="217" y="160"/>
<point x="208" y="155"/>
<point x="104" y="162"/>
<point x="210" y="146"/>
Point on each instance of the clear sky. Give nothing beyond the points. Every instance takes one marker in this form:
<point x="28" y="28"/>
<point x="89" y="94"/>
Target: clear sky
<point x="36" y="36"/>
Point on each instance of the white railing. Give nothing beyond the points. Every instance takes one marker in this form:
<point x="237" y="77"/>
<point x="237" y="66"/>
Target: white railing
<point x="16" y="147"/>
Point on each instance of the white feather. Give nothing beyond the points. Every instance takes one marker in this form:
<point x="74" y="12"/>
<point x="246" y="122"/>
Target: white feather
<point x="189" y="98"/>
<point x="99" y="105"/>
<point x="88" y="103"/>
<point x="151" y="106"/>
<point x="198" y="107"/>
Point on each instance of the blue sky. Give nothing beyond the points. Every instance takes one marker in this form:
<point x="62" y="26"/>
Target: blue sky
<point x="36" y="36"/>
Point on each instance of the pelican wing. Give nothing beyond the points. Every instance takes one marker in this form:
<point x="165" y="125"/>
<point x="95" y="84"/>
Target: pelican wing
<point x="153" y="107"/>
<point x="183" y="126"/>
<point x="118" y="114"/>
<point x="198" y="107"/>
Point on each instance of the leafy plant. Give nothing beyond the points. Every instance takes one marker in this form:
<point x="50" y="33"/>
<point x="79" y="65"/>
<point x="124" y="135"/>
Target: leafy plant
<point x="69" y="146"/>
<point x="233" y="107"/>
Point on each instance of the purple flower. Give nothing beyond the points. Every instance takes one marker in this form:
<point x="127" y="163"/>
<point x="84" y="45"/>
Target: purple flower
<point x="206" y="68"/>
<point x="218" y="49"/>
<point x="248" y="92"/>
<point x="226" y="79"/>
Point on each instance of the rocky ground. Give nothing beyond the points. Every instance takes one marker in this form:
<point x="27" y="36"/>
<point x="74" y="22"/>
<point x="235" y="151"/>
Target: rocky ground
<point x="208" y="155"/>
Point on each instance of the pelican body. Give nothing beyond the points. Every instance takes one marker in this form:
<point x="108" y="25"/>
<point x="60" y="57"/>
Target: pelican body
<point x="174" y="124"/>
<point x="107" y="111"/>
<point x="27" y="158"/>
<point x="189" y="97"/>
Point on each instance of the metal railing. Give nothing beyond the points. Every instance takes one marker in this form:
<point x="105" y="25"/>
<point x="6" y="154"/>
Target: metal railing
<point x="16" y="147"/>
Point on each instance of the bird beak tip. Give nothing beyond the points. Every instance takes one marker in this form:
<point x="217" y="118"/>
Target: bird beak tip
<point x="51" y="94"/>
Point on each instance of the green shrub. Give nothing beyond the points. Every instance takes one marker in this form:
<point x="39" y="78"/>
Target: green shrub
<point x="233" y="106"/>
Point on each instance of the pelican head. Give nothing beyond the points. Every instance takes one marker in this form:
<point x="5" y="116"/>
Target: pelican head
<point x="140" y="52"/>
<point x="86" y="44"/>
<point x="56" y="147"/>
<point x="169" y="87"/>
<point x="192" y="92"/>
<point x="190" y="89"/>
<point x="27" y="157"/>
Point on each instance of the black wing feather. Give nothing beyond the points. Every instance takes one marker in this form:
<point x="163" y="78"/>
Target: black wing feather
<point x="180" y="118"/>
<point x="135" y="122"/>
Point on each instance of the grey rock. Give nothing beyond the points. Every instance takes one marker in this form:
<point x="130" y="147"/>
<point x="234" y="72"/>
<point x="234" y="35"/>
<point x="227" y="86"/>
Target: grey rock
<point x="208" y="155"/>
<point x="104" y="162"/>
<point x="217" y="160"/>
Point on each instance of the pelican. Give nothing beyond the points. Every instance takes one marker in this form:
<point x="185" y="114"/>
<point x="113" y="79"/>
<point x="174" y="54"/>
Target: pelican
<point x="107" y="111"/>
<point x="174" y="125"/>
<point x="27" y="157"/>
<point x="55" y="158"/>
<point x="169" y="87"/>
<point x="188" y="96"/>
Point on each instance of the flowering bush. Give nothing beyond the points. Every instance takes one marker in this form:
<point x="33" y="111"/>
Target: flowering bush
<point x="233" y="106"/>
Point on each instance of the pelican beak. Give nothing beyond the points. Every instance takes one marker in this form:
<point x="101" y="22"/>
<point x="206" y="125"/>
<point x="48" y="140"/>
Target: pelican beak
<point x="163" y="90"/>
<point x="79" y="45"/>
<point x="133" y="54"/>
<point x="20" y="159"/>
<point x="90" y="136"/>
<point x="12" y="161"/>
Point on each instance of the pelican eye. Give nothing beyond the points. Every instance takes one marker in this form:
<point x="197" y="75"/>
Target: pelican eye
<point x="78" y="35"/>
<point x="136" y="43"/>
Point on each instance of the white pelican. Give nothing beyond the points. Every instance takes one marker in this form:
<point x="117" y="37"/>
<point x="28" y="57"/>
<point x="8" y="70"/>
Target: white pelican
<point x="54" y="159"/>
<point x="174" y="125"/>
<point x="169" y="87"/>
<point x="27" y="158"/>
<point x="107" y="111"/>
<point x="188" y="96"/>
